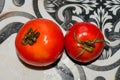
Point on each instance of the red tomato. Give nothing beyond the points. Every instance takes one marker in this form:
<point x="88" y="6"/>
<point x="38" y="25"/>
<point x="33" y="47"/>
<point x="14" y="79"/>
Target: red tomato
<point x="84" y="42"/>
<point x="39" y="42"/>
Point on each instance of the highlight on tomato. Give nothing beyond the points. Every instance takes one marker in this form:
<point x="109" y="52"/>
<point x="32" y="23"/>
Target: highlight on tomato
<point x="39" y="42"/>
<point x="84" y="42"/>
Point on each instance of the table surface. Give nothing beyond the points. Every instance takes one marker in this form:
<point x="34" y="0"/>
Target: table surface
<point x="103" y="13"/>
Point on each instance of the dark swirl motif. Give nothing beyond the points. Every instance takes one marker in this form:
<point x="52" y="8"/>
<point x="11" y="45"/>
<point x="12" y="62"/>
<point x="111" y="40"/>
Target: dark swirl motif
<point x="9" y="30"/>
<point x="68" y="12"/>
<point x="16" y="13"/>
<point x="18" y="3"/>
<point x="117" y="76"/>
<point x="81" y="72"/>
<point x="64" y="71"/>
<point x="36" y="9"/>
<point x="100" y="78"/>
<point x="2" y="2"/>
<point x="104" y="68"/>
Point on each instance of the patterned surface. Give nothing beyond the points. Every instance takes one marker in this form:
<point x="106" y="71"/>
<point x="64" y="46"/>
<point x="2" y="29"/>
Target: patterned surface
<point x="103" y="13"/>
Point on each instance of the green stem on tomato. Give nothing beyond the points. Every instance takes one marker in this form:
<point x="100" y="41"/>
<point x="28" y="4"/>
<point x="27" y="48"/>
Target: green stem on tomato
<point x="87" y="45"/>
<point x="30" y="37"/>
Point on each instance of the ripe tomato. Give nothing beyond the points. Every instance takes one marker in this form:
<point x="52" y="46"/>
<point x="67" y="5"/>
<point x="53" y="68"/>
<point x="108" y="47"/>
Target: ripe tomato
<point x="84" y="42"/>
<point x="39" y="42"/>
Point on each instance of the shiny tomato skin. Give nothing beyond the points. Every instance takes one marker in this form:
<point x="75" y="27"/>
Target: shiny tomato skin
<point x="48" y="46"/>
<point x="84" y="31"/>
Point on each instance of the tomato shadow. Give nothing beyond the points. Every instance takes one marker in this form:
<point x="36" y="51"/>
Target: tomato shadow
<point x="81" y="63"/>
<point x="39" y="67"/>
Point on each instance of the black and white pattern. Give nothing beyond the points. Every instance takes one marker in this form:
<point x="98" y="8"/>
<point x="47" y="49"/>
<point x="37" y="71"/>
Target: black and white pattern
<point x="103" y="13"/>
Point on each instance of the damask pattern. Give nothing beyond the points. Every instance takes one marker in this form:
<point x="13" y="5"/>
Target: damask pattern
<point x="103" y="13"/>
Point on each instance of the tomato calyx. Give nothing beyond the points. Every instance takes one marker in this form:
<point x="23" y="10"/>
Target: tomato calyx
<point x="30" y="37"/>
<point x="87" y="45"/>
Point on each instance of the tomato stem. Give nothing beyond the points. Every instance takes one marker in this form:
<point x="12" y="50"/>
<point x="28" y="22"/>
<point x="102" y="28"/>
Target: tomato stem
<point x="30" y="37"/>
<point x="87" y="45"/>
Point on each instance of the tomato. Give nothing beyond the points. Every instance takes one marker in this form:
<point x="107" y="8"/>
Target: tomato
<point x="39" y="42"/>
<point x="84" y="42"/>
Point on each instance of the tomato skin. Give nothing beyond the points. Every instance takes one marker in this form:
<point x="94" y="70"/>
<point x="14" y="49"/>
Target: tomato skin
<point x="48" y="47"/>
<point x="84" y="31"/>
